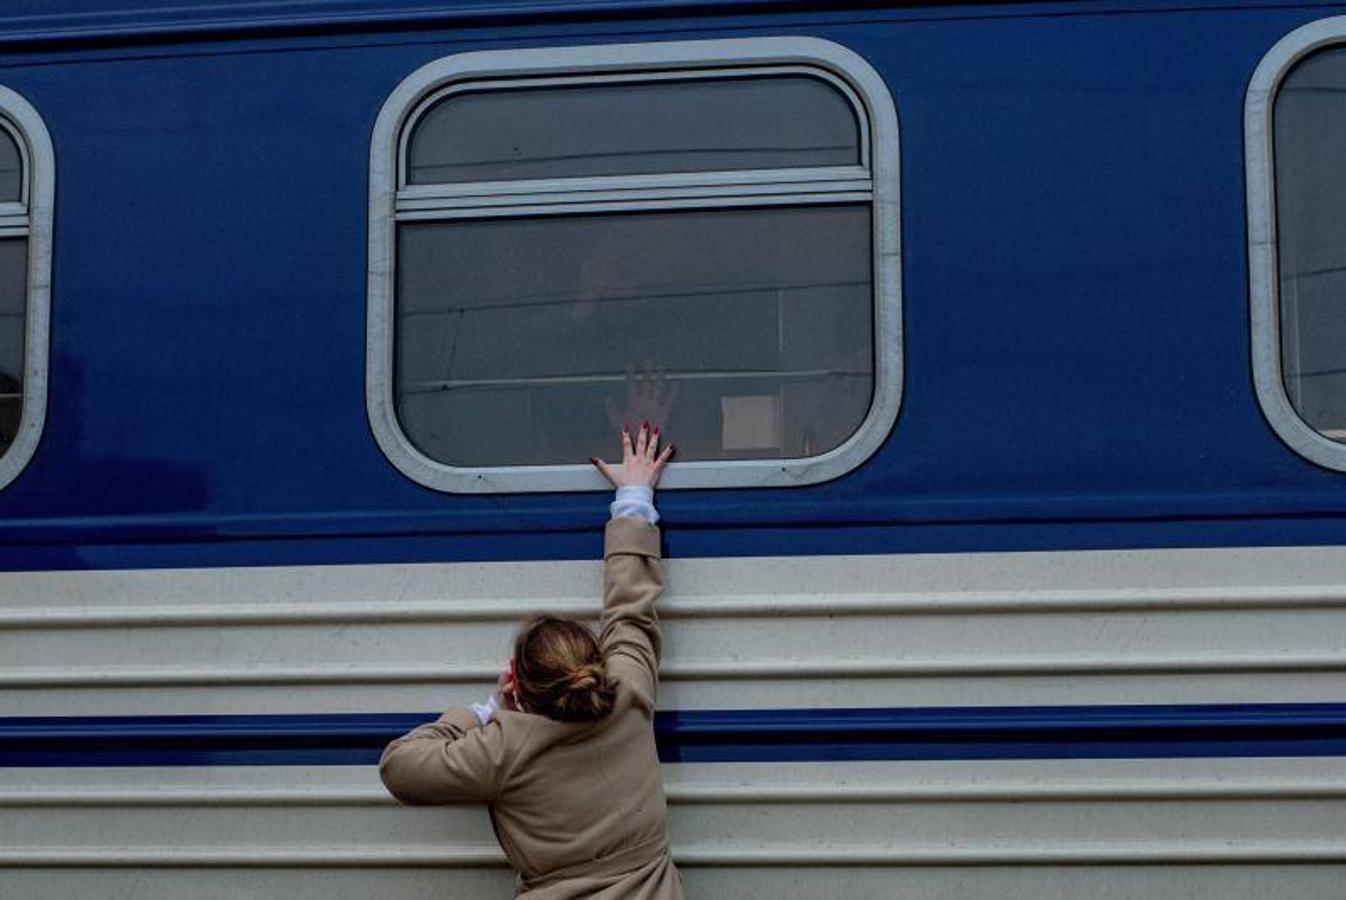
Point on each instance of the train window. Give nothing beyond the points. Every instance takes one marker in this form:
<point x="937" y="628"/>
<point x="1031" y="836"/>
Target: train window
<point x="645" y="127"/>
<point x="1297" y="190"/>
<point x="1310" y="144"/>
<point x="26" y="172"/>
<point x="699" y="233"/>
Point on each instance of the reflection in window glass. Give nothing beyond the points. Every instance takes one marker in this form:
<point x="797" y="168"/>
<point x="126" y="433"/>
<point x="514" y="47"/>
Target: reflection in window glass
<point x="11" y="169"/>
<point x="13" y="304"/>
<point x="1310" y="146"/>
<point x="517" y="336"/>
<point x="629" y="129"/>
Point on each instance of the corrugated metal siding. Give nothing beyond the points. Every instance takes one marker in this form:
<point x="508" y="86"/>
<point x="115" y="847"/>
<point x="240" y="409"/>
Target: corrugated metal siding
<point x="1142" y="627"/>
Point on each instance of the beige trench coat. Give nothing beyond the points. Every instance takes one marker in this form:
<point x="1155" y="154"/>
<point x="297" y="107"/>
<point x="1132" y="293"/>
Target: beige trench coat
<point x="578" y="807"/>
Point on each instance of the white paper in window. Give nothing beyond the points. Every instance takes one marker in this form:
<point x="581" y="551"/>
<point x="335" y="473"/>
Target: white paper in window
<point x="750" y="422"/>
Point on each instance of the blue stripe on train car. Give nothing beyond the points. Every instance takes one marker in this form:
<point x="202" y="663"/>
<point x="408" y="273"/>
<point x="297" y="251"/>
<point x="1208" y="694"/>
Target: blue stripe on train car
<point x="935" y="733"/>
<point x="1075" y="284"/>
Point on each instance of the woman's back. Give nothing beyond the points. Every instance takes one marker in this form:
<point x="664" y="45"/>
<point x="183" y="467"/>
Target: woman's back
<point x="578" y="806"/>
<point x="576" y="792"/>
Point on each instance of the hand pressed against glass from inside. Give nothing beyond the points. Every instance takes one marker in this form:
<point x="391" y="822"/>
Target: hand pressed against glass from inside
<point x="649" y="397"/>
<point x="642" y="463"/>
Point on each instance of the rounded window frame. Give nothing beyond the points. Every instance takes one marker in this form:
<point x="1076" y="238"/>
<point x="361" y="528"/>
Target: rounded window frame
<point x="30" y="217"/>
<point x="1263" y="249"/>
<point x="878" y="123"/>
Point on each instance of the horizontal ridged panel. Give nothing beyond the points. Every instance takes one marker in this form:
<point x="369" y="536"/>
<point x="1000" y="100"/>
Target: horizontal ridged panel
<point x="994" y="829"/>
<point x="1097" y="627"/>
<point x="1128" y="882"/>
<point x="1169" y="882"/>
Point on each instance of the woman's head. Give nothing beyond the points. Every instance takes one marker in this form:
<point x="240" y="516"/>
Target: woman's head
<point x="559" y="671"/>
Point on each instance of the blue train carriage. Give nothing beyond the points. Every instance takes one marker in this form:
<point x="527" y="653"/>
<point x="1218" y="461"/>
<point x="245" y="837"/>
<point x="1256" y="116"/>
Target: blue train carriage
<point x="1005" y="346"/>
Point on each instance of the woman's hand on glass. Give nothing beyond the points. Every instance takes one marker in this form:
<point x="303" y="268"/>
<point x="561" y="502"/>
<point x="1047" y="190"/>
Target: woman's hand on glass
<point x="642" y="462"/>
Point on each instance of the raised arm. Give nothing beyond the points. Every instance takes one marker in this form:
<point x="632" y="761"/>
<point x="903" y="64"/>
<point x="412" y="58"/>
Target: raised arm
<point x="633" y="579"/>
<point x="633" y="575"/>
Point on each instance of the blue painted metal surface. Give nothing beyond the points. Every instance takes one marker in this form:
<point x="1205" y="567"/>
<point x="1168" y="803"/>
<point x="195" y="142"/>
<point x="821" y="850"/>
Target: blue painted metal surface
<point x="91" y="22"/>
<point x="1068" y="732"/>
<point x="1075" y="295"/>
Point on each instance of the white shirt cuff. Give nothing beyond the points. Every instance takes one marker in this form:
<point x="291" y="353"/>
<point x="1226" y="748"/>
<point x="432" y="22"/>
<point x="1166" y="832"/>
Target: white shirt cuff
<point x="484" y="711"/>
<point x="636" y="501"/>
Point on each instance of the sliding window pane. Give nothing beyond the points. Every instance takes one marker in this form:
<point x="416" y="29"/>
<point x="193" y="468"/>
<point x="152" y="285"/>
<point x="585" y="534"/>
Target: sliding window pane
<point x="11" y="169"/>
<point x="13" y="307"/>
<point x="642" y="128"/>
<point x="526" y="341"/>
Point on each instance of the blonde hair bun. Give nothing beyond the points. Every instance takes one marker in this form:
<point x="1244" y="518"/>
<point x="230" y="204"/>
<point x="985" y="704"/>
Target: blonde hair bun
<point x="589" y="694"/>
<point x="561" y="672"/>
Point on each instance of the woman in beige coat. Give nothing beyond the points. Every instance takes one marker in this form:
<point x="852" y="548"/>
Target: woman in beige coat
<point x="564" y="753"/>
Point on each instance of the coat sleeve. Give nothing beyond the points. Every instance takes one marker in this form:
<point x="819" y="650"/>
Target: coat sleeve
<point x="633" y="579"/>
<point x="452" y="760"/>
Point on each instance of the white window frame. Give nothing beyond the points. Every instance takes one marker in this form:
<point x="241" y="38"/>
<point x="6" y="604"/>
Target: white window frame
<point x="30" y="217"/>
<point x="1264" y="278"/>
<point x="874" y="181"/>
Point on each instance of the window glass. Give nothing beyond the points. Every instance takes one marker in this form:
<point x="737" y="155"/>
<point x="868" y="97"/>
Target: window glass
<point x="1310" y="155"/>
<point x="640" y="128"/>
<point x="522" y="341"/>
<point x="13" y="303"/>
<point x="11" y="169"/>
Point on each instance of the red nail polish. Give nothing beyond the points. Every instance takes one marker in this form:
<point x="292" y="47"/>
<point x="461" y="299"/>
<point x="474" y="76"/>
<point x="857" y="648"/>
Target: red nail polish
<point x="644" y="426"/>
